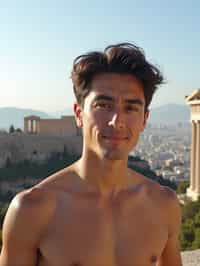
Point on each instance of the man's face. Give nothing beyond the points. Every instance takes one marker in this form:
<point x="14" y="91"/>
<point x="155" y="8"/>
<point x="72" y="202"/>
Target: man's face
<point x="113" y="115"/>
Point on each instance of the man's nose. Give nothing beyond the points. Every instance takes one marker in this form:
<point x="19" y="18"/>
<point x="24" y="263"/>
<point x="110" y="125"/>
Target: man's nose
<point x="117" y="120"/>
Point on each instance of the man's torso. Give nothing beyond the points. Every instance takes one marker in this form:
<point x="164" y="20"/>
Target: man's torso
<point x="84" y="230"/>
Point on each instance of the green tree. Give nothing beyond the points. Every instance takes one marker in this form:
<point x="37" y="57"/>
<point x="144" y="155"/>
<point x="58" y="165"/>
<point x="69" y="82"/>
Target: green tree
<point x="18" y="130"/>
<point x="3" y="211"/>
<point x="11" y="129"/>
<point x="196" y="242"/>
<point x="197" y="219"/>
<point x="190" y="209"/>
<point x="187" y="234"/>
<point x="8" y="162"/>
<point x="182" y="187"/>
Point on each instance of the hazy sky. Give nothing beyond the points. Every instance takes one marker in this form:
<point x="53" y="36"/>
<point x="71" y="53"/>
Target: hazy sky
<point x="39" y="40"/>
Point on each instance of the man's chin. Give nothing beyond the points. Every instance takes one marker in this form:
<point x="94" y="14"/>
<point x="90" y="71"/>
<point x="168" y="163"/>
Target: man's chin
<point x="114" y="155"/>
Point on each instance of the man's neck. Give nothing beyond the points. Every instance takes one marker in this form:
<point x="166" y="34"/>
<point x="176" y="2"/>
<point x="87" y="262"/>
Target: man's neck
<point x="107" y="176"/>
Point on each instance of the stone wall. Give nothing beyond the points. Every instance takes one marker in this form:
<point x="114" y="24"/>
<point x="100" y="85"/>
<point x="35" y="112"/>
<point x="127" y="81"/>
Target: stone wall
<point x="18" y="147"/>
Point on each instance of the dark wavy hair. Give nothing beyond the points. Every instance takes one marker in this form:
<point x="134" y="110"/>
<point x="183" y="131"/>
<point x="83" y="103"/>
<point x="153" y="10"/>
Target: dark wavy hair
<point x="123" y="58"/>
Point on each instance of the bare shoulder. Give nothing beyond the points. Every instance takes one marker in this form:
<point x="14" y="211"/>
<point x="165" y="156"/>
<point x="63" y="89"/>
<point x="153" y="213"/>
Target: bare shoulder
<point x="34" y="206"/>
<point x="27" y="208"/>
<point x="163" y="197"/>
<point x="173" y="209"/>
<point x="168" y="205"/>
<point x="24" y="223"/>
<point x="33" y="200"/>
<point x="154" y="189"/>
<point x="27" y="219"/>
<point x="42" y="196"/>
<point x="167" y="197"/>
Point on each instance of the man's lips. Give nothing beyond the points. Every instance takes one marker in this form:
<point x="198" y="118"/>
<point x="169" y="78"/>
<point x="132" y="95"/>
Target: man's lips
<point x="114" y="138"/>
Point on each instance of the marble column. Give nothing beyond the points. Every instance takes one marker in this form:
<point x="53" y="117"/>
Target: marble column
<point x="193" y="157"/>
<point x="34" y="126"/>
<point x="197" y="161"/>
<point x="31" y="126"/>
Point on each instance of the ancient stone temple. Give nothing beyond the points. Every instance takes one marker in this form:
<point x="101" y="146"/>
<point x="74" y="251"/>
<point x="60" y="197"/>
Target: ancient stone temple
<point x="65" y="126"/>
<point x="193" y="100"/>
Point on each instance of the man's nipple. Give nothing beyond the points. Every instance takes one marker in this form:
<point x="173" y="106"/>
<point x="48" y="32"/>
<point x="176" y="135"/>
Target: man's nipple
<point x="153" y="259"/>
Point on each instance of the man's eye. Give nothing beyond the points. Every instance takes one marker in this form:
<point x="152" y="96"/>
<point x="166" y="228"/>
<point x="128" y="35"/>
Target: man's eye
<point x="132" y="108"/>
<point x="104" y="105"/>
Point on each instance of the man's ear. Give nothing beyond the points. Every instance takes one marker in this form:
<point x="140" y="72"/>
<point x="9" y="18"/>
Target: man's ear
<point x="146" y="116"/>
<point x="78" y="115"/>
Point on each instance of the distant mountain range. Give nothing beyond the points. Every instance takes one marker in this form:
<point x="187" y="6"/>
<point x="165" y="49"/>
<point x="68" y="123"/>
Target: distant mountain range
<point x="168" y="114"/>
<point x="15" y="116"/>
<point x="58" y="114"/>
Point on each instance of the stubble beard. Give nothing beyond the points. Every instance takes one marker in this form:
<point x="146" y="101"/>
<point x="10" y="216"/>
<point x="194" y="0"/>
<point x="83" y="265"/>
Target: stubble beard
<point x="113" y="154"/>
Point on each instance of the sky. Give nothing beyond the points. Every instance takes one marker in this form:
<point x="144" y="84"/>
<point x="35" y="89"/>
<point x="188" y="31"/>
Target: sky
<point x="40" y="39"/>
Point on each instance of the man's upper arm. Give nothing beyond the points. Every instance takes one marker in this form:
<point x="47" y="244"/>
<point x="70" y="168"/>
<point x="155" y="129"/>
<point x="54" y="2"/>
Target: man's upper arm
<point x="22" y="230"/>
<point x="171" y="253"/>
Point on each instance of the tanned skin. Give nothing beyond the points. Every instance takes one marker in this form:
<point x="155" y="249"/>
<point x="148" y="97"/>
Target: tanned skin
<point x="97" y="212"/>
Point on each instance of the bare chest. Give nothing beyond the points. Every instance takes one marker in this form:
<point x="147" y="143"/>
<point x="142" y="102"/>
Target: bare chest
<point x="116" y="236"/>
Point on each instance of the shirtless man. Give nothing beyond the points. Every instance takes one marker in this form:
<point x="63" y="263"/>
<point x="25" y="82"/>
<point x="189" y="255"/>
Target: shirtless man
<point x="97" y="212"/>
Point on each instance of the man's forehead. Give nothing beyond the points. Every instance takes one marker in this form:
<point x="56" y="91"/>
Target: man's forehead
<point x="114" y="84"/>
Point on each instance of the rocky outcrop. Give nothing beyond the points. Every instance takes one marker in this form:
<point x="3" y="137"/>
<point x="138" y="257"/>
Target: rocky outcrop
<point x="191" y="258"/>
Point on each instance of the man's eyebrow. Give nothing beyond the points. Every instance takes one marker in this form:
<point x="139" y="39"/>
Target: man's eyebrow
<point x="103" y="97"/>
<point x="135" y="101"/>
